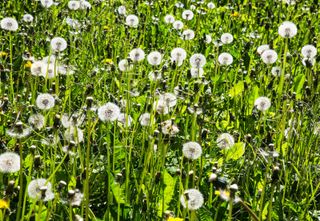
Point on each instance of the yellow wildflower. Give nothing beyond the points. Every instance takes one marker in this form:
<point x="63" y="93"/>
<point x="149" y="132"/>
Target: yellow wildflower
<point x="174" y="219"/>
<point x="3" y="53"/>
<point x="4" y="204"/>
<point x="235" y="14"/>
<point x="28" y="64"/>
<point x="108" y="61"/>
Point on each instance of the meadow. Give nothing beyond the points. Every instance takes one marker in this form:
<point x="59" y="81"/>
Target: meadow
<point x="159" y="110"/>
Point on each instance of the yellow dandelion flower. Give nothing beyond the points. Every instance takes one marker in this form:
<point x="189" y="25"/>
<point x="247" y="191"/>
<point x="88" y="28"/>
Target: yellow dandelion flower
<point x="235" y="14"/>
<point x="174" y="219"/>
<point x="4" y="204"/>
<point x="28" y="64"/>
<point x="108" y="61"/>
<point x="3" y="53"/>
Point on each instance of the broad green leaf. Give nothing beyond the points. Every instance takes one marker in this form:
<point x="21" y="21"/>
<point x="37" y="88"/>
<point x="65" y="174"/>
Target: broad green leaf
<point x="118" y="192"/>
<point x="235" y="152"/>
<point x="164" y="202"/>
<point x="298" y="84"/>
<point x="252" y="97"/>
<point x="237" y="89"/>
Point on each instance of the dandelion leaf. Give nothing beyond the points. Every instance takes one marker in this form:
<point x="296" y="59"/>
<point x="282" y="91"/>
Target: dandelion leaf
<point x="298" y="85"/>
<point x="235" y="152"/>
<point x="169" y="183"/>
<point x="118" y="192"/>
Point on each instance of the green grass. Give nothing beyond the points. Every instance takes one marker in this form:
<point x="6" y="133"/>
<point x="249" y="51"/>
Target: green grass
<point x="116" y="167"/>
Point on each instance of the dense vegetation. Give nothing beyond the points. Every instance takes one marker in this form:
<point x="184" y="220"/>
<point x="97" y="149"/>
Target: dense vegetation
<point x="159" y="110"/>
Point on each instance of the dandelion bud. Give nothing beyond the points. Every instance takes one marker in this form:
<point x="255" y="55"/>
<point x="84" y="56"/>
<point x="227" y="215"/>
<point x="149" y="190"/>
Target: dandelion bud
<point x="275" y="174"/>
<point x="213" y="177"/>
<point x="37" y="161"/>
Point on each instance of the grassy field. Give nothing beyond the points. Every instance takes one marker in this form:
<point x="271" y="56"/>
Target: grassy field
<point x="159" y="110"/>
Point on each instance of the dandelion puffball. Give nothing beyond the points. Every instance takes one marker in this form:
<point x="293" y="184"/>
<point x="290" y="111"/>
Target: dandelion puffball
<point x="45" y="101"/>
<point x="132" y="21"/>
<point x="177" y="25"/>
<point x="154" y="58"/>
<point x="262" y="103"/>
<point x="73" y="5"/>
<point x="137" y="54"/>
<point x="269" y="56"/>
<point x="188" y="34"/>
<point x="46" y="3"/>
<point x="27" y="18"/>
<point x="287" y="29"/>
<point x="9" y="162"/>
<point x="262" y="48"/>
<point x="169" y="19"/>
<point x="40" y="189"/>
<point x="226" y="38"/>
<point x="187" y="15"/>
<point x="192" y="199"/>
<point x="178" y="55"/>
<point x="192" y="150"/>
<point x="225" y="141"/>
<point x="309" y="51"/>
<point x="225" y="59"/>
<point x="124" y="65"/>
<point x="109" y="112"/>
<point x="198" y="60"/>
<point x="58" y="44"/>
<point x="9" y="24"/>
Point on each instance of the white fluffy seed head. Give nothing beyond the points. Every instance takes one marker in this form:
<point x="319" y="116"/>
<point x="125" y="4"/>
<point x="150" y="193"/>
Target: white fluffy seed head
<point x="287" y="29"/>
<point x="188" y="34"/>
<point x="309" y="51"/>
<point x="73" y="5"/>
<point x="187" y="15"/>
<point x="269" y="56"/>
<point x="9" y="162"/>
<point x="226" y="38"/>
<point x="137" y="54"/>
<point x="124" y="65"/>
<point x="58" y="44"/>
<point x="37" y="121"/>
<point x="154" y="58"/>
<point x="225" y="141"/>
<point x="45" y="101"/>
<point x="9" y="24"/>
<point x="177" y="25"/>
<point x="225" y="58"/>
<point x="262" y="103"/>
<point x="132" y="21"/>
<point x="109" y="112"/>
<point x="122" y="119"/>
<point x="36" y="68"/>
<point x="49" y="70"/>
<point x="169" y="19"/>
<point x="122" y="10"/>
<point x="145" y="119"/>
<point x="178" y="55"/>
<point x="262" y="48"/>
<point x="46" y="3"/>
<point x="40" y="189"/>
<point x="192" y="199"/>
<point x="192" y="150"/>
<point x="198" y="60"/>
<point x="27" y="18"/>
<point x="211" y="5"/>
<point x="74" y="134"/>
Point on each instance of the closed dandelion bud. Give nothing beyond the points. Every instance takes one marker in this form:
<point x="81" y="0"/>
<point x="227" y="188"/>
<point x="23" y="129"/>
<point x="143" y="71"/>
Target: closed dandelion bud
<point x="37" y="161"/>
<point x="71" y="193"/>
<point x="32" y="148"/>
<point x="157" y="177"/>
<point x="178" y="172"/>
<point x="10" y="188"/>
<point x="275" y="173"/>
<point x="213" y="177"/>
<point x="61" y="185"/>
<point x="233" y="189"/>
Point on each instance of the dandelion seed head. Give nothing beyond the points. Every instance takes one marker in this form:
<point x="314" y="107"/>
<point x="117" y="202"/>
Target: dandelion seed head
<point x="309" y="51"/>
<point x="9" y="162"/>
<point x="225" y="58"/>
<point x="169" y="19"/>
<point x="109" y="112"/>
<point x="178" y="55"/>
<point x="73" y="5"/>
<point x="187" y="15"/>
<point x="269" y="56"/>
<point x="27" y="18"/>
<point x="9" y="24"/>
<point x="40" y="189"/>
<point x="262" y="103"/>
<point x="262" y="48"/>
<point x="287" y="29"/>
<point x="198" y="60"/>
<point x="192" y="150"/>
<point x="188" y="34"/>
<point x="225" y="141"/>
<point x="226" y="38"/>
<point x="192" y="199"/>
<point x="45" y="101"/>
<point x="177" y="25"/>
<point x="132" y="21"/>
<point x="46" y="3"/>
<point x="36" y="121"/>
<point x="122" y="119"/>
<point x="145" y="119"/>
<point x="122" y="10"/>
<point x="58" y="44"/>
<point x="154" y="58"/>
<point x="137" y="55"/>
